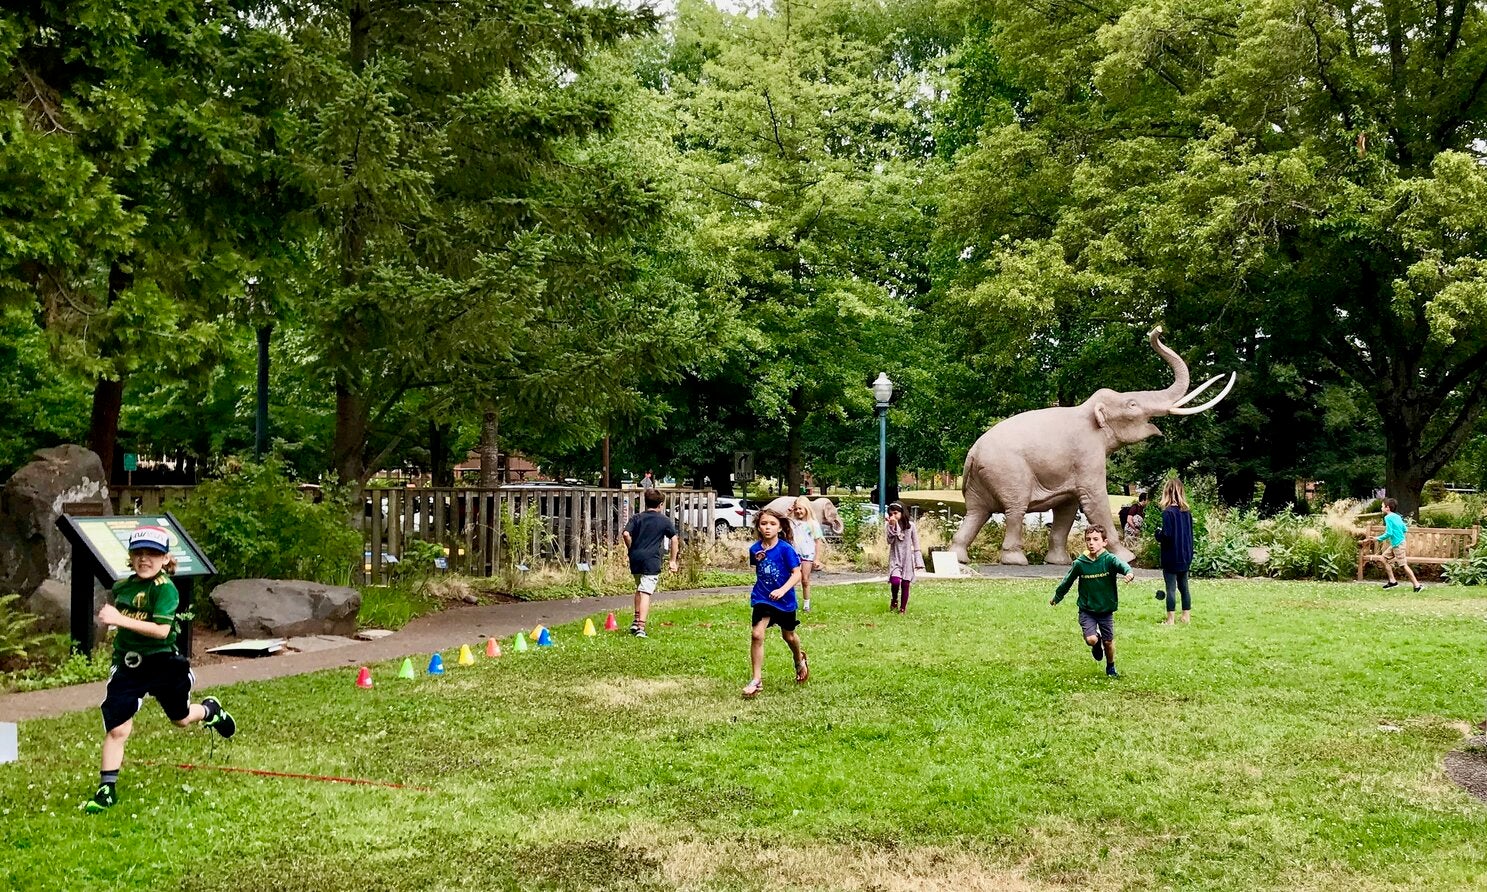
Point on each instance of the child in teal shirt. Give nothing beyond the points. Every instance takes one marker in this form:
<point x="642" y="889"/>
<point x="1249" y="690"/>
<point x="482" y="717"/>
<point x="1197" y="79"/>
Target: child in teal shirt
<point x="1393" y="547"/>
<point x="1098" y="599"/>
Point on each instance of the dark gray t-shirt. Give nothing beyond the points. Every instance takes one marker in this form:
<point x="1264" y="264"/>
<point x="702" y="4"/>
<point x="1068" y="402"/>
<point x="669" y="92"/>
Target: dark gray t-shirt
<point x="648" y="531"/>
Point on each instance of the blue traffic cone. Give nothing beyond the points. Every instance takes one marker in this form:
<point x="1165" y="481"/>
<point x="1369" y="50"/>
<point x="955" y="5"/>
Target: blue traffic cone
<point x="436" y="665"/>
<point x="545" y="639"/>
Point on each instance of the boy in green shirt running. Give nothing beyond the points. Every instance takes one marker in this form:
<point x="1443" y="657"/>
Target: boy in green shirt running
<point x="1098" y="599"/>
<point x="143" y="610"/>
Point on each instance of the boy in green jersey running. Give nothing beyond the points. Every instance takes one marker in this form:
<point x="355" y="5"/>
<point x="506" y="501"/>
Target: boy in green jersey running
<point x="143" y="610"/>
<point x="1098" y="599"/>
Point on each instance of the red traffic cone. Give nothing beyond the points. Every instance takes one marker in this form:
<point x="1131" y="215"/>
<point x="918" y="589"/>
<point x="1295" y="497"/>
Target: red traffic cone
<point x="364" y="678"/>
<point x="492" y="649"/>
<point x="609" y="624"/>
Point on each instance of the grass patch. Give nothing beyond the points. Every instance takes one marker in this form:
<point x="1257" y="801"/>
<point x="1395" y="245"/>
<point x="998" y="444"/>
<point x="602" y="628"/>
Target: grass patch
<point x="393" y="606"/>
<point x="1291" y="738"/>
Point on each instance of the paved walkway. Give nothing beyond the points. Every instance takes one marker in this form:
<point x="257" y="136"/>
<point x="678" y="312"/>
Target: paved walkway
<point x="440" y="631"/>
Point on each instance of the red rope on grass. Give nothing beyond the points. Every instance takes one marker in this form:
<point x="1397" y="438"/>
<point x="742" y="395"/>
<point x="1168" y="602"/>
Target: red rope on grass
<point x="317" y="777"/>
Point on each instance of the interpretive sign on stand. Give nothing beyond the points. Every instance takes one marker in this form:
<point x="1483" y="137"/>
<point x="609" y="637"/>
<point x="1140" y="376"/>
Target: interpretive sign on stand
<point x="100" y="552"/>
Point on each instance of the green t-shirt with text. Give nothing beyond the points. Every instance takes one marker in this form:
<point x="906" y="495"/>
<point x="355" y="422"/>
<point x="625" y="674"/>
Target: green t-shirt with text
<point x="152" y="600"/>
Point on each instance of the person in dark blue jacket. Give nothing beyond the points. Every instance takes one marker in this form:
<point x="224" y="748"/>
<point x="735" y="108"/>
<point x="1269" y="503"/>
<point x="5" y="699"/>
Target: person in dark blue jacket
<point x="1175" y="536"/>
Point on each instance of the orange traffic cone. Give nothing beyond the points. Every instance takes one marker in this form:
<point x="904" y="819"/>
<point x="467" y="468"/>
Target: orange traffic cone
<point x="609" y="624"/>
<point x="364" y="678"/>
<point x="492" y="649"/>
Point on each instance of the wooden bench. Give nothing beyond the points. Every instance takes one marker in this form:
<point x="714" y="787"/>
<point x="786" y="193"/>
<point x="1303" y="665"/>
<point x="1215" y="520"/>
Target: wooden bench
<point x="1425" y="545"/>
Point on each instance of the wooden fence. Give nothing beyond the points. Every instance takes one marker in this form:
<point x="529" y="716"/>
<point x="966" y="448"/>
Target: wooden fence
<point x="145" y="499"/>
<point x="471" y="525"/>
<point x="474" y="526"/>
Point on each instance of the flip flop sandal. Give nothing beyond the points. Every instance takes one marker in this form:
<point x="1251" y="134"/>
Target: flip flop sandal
<point x="802" y="670"/>
<point x="752" y="689"/>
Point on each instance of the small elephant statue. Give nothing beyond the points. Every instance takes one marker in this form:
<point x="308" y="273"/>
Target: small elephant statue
<point x="1054" y="460"/>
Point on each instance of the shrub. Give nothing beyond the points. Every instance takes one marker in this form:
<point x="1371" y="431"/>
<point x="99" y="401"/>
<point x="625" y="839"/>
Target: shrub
<point x="1472" y="571"/>
<point x="256" y="523"/>
<point x="849" y="510"/>
<point x="18" y="637"/>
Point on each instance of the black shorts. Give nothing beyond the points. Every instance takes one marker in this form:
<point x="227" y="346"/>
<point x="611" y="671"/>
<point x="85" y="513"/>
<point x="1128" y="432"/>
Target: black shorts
<point x="165" y="676"/>
<point x="785" y="619"/>
<point x="1097" y="623"/>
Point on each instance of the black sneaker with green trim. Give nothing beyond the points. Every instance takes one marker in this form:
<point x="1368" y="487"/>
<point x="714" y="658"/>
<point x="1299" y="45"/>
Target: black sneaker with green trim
<point x="222" y="721"/>
<point x="105" y="798"/>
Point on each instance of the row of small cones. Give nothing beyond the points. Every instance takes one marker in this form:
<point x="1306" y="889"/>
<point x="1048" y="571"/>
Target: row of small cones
<point x="540" y="635"/>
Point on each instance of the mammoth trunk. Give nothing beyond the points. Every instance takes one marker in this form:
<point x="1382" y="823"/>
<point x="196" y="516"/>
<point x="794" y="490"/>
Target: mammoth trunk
<point x="1179" y="368"/>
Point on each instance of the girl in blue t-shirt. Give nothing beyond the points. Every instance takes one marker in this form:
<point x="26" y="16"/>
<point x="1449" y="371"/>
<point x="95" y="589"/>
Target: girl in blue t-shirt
<point x="777" y="569"/>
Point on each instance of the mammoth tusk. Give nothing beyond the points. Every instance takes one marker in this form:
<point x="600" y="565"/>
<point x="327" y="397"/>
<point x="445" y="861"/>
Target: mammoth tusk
<point x="1194" y="410"/>
<point x="1191" y="394"/>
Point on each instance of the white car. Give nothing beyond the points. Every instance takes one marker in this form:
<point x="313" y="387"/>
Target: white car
<point x="730" y="515"/>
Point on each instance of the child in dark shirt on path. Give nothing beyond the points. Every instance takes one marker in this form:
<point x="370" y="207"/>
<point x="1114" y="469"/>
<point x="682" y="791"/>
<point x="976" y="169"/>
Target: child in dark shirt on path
<point x="1098" y="599"/>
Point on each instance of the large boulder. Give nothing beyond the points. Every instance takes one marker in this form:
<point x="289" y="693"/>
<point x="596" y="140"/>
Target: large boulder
<point x="284" y="608"/>
<point x="32" y="549"/>
<point x="52" y="604"/>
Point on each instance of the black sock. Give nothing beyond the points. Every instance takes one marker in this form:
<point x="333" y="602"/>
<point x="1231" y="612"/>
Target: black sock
<point x="211" y="709"/>
<point x="109" y="777"/>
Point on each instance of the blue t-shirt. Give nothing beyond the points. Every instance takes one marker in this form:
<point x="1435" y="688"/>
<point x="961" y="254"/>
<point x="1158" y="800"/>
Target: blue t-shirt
<point x="773" y="567"/>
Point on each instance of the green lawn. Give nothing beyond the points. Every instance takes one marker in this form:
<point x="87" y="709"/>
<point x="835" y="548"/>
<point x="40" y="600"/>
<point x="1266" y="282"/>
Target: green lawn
<point x="1290" y="739"/>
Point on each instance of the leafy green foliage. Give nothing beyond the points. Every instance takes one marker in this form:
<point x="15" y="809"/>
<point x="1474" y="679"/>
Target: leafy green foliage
<point x="1472" y="571"/>
<point x="18" y="637"/>
<point x="54" y="664"/>
<point x="525" y="538"/>
<point x="255" y="522"/>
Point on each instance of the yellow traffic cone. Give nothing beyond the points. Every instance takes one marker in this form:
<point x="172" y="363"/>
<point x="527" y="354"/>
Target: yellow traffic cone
<point x="536" y="631"/>
<point x="588" y="628"/>
<point x="466" y="658"/>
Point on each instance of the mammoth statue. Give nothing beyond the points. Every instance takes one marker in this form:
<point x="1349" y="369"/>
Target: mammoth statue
<point x="822" y="509"/>
<point x="1054" y="459"/>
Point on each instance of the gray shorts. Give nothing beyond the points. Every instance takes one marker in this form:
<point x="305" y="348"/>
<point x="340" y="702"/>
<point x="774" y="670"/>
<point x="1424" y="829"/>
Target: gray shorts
<point x="1102" y="624"/>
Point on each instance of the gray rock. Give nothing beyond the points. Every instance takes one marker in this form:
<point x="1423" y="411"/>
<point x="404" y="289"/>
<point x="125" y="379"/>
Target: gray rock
<point x="285" y="608"/>
<point x="52" y="604"/>
<point x="32" y="549"/>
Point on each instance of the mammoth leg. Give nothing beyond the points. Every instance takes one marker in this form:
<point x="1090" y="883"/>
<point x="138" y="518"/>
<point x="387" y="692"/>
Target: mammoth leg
<point x="1096" y="506"/>
<point x="1058" y="532"/>
<point x="965" y="534"/>
<point x="1012" y="552"/>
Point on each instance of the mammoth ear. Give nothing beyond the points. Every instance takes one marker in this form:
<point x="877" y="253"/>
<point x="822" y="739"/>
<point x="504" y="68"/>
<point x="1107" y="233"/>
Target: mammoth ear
<point x="1099" y="413"/>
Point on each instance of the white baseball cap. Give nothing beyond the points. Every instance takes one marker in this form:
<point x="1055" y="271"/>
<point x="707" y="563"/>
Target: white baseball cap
<point x="150" y="539"/>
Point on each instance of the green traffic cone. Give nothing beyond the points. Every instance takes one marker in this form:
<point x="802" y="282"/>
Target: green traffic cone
<point x="407" y="669"/>
<point x="521" y="643"/>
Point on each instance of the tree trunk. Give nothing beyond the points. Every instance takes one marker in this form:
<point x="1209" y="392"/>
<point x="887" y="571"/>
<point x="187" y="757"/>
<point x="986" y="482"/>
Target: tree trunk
<point x="794" y="447"/>
<point x="352" y="421"/>
<point x="103" y="429"/>
<point x="441" y="469"/>
<point x="1403" y="479"/>
<point x="108" y="396"/>
<point x="260" y="416"/>
<point x="490" y="449"/>
<point x="353" y="414"/>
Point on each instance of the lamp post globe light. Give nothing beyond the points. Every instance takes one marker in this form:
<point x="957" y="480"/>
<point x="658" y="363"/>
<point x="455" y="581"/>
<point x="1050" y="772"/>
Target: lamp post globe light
<point x="882" y="395"/>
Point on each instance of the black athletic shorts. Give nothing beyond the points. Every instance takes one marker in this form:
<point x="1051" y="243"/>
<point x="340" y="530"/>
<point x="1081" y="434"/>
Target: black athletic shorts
<point x="165" y="676"/>
<point x="785" y="619"/>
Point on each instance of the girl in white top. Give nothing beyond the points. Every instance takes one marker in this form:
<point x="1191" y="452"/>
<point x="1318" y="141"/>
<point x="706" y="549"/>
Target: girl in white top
<point x="806" y="533"/>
